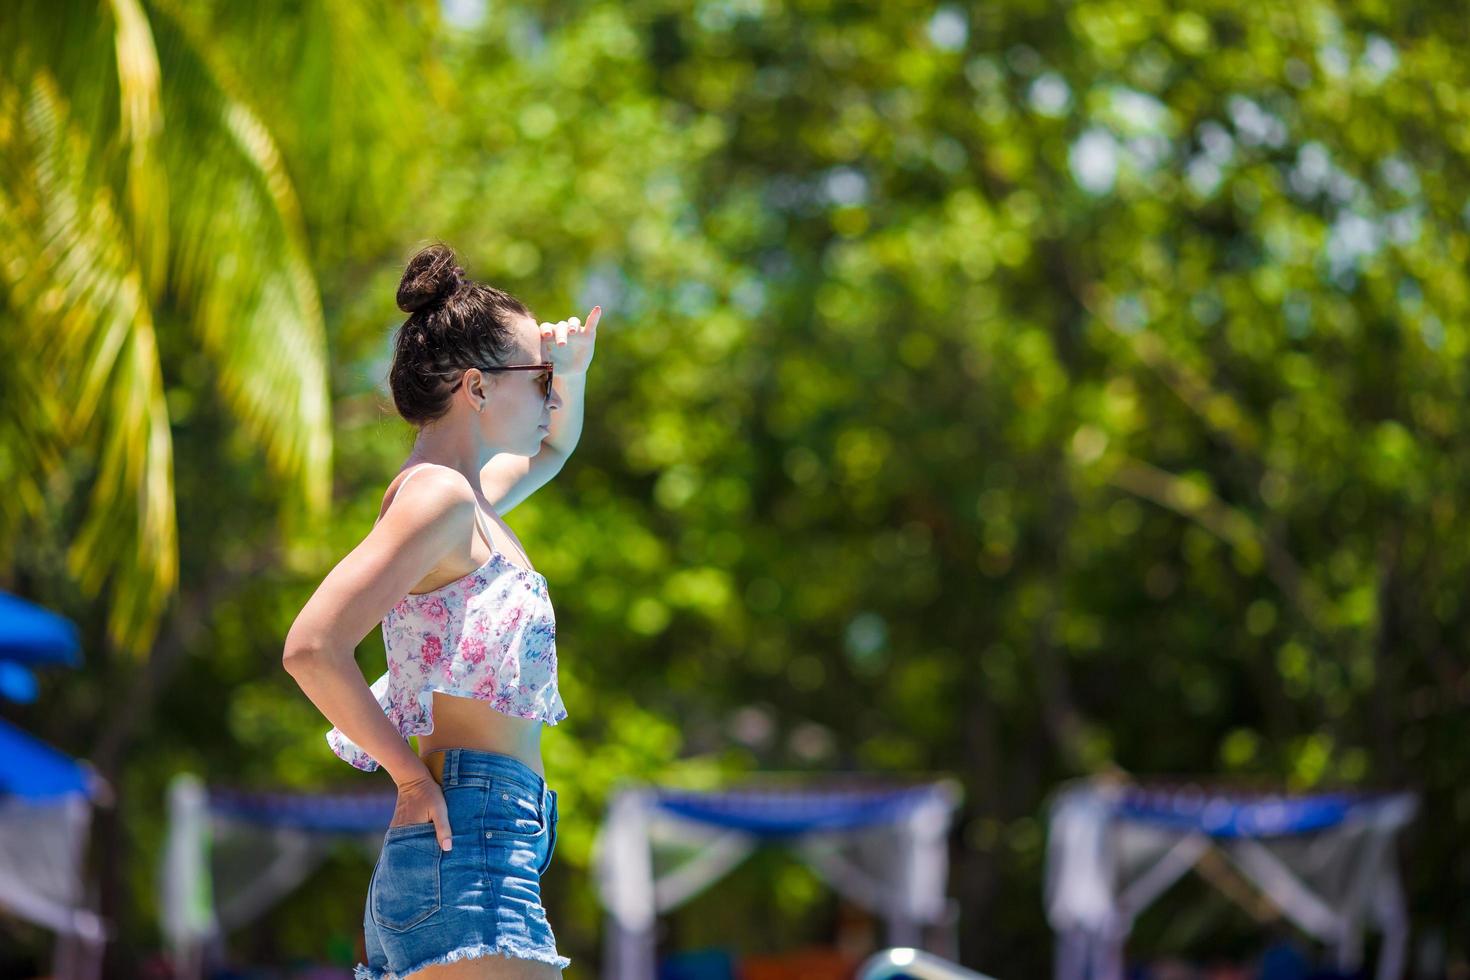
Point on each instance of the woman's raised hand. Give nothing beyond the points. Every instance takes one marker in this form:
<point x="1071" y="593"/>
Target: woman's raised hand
<point x="568" y="343"/>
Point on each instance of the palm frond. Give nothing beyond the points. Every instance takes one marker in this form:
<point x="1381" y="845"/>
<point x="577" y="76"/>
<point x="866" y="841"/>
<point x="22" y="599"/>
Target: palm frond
<point x="344" y="87"/>
<point x="157" y="191"/>
<point x="66" y="255"/>
<point x="140" y="123"/>
<point x="239" y="264"/>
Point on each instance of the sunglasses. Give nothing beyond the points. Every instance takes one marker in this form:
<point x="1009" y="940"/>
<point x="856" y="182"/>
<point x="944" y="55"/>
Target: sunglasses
<point x="547" y="367"/>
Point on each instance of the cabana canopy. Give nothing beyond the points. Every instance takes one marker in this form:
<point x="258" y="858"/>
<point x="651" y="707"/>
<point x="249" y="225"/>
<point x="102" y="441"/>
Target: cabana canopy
<point x="46" y="797"/>
<point x="1326" y="861"/>
<point x="45" y="812"/>
<point x="37" y="773"/>
<point x="249" y="849"/>
<point x="882" y="845"/>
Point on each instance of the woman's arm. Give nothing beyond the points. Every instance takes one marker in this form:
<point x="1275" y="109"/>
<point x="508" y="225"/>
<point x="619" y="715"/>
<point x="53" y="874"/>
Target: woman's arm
<point x="402" y="549"/>
<point x="509" y="479"/>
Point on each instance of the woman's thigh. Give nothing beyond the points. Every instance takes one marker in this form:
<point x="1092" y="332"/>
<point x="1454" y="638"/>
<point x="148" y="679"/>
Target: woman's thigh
<point x="489" y="968"/>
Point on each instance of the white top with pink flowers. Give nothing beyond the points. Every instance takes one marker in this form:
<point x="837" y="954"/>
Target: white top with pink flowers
<point x="489" y="635"/>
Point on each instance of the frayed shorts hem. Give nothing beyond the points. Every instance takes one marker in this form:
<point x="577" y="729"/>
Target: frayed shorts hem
<point x="507" y="949"/>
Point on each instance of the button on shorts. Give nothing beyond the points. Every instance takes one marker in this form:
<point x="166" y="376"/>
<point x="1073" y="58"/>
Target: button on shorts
<point x="427" y="906"/>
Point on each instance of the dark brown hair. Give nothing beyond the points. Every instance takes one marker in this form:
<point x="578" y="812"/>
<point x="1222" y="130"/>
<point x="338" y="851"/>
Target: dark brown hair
<point x="454" y="323"/>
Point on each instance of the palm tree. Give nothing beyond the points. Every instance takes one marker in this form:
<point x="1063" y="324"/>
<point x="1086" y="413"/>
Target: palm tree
<point x="144" y="196"/>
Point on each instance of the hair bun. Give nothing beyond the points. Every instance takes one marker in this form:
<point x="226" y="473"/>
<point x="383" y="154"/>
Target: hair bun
<point x="431" y="277"/>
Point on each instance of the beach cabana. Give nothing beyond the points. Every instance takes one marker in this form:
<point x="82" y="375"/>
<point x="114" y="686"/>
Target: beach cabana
<point x="46" y="798"/>
<point x="883" y="845"/>
<point x="1326" y="861"/>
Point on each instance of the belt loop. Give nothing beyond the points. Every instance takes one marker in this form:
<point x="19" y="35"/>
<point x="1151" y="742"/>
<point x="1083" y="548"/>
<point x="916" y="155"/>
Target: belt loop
<point x="451" y="767"/>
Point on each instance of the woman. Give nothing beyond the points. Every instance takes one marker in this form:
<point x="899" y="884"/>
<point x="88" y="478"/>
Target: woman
<point x="469" y="631"/>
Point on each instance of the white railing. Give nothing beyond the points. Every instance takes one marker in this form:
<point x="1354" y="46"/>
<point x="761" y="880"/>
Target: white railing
<point x="905" y="961"/>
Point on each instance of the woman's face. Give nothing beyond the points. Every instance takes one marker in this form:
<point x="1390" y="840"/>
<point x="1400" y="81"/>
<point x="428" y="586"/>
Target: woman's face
<point x="517" y="411"/>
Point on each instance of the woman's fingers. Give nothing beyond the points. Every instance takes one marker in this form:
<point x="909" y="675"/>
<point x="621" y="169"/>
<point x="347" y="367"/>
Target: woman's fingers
<point x="558" y="332"/>
<point x="441" y="824"/>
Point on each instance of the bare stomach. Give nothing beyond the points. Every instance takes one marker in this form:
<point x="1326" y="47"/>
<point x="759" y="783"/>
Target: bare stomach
<point x="468" y="723"/>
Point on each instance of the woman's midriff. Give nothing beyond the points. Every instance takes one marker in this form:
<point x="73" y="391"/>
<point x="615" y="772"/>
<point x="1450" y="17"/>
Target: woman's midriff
<point x="468" y="723"/>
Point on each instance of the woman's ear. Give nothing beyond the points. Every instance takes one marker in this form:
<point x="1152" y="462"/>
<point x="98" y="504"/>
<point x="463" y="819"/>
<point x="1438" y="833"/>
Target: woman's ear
<point x="475" y="391"/>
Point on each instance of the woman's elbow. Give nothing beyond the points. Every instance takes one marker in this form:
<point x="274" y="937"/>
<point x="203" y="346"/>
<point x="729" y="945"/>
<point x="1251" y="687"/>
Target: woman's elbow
<point x="300" y="648"/>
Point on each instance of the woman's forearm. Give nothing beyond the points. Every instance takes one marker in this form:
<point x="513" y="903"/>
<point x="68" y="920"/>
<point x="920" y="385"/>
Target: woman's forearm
<point x="336" y="686"/>
<point x="566" y="425"/>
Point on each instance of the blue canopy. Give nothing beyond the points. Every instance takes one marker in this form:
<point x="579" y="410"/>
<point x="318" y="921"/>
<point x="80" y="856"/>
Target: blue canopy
<point x="33" y="635"/>
<point x="1226" y="815"/>
<point x="34" y="770"/>
<point x="773" y="812"/>
<point x="324" y="812"/>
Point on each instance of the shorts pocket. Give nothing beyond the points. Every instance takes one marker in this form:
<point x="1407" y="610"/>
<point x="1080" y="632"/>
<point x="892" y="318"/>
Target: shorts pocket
<point x="513" y="810"/>
<point x="465" y="801"/>
<point x="405" y="886"/>
<point x="551" y="818"/>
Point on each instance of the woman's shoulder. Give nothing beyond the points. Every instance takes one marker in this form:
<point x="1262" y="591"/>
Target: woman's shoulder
<point x="429" y="487"/>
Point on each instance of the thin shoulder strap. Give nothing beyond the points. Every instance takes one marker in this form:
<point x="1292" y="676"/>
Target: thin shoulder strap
<point x="417" y="469"/>
<point x="483" y="523"/>
<point x="399" y="488"/>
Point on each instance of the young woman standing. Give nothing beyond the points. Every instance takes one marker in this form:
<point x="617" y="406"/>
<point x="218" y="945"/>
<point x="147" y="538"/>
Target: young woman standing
<point x="469" y="631"/>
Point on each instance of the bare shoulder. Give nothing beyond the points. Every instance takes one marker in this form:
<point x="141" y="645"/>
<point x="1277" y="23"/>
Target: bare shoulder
<point x="430" y="492"/>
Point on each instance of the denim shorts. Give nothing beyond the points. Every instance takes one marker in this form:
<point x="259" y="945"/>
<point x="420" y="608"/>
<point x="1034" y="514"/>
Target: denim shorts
<point x="427" y="906"/>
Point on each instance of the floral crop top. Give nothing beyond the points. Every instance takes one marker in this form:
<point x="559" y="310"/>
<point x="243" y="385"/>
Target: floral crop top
<point x="489" y="635"/>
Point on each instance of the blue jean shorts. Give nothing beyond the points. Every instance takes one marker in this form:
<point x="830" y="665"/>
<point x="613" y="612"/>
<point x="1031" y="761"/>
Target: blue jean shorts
<point x="427" y="906"/>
